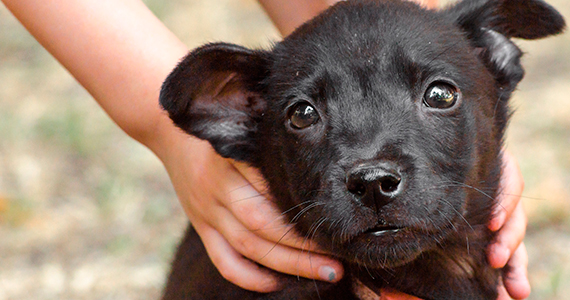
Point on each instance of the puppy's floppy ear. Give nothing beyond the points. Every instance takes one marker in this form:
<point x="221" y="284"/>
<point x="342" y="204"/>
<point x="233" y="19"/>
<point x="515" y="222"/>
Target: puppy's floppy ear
<point x="489" y="25"/>
<point x="215" y="94"/>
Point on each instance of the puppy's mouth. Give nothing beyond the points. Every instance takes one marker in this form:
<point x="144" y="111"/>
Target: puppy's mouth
<point x="382" y="230"/>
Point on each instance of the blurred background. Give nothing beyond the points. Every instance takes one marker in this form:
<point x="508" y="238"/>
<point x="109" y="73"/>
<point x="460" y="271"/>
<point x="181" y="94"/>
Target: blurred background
<point x="87" y="213"/>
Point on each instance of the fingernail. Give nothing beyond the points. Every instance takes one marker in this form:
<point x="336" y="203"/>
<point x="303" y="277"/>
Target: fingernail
<point x="327" y="273"/>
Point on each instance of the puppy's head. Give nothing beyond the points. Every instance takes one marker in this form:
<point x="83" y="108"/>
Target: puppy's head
<point x="378" y="124"/>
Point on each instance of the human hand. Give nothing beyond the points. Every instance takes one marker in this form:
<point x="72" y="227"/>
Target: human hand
<point x="510" y="221"/>
<point x="508" y="249"/>
<point x="237" y="224"/>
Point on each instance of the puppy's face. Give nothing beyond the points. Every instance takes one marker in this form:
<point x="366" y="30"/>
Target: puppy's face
<point x="381" y="129"/>
<point x="377" y="125"/>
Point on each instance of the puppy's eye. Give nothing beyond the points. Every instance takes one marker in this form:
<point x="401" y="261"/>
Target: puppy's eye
<point x="303" y="115"/>
<point x="441" y="95"/>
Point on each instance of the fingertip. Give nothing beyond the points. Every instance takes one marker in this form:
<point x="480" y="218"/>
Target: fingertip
<point x="503" y="294"/>
<point x="518" y="288"/>
<point x="330" y="273"/>
<point x="327" y="273"/>
<point x="390" y="294"/>
<point x="268" y="285"/>
<point x="516" y="279"/>
<point x="497" y="221"/>
<point x="508" y="239"/>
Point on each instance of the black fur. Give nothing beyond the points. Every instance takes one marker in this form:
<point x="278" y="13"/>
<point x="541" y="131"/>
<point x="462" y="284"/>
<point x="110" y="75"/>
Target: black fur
<point x="398" y="189"/>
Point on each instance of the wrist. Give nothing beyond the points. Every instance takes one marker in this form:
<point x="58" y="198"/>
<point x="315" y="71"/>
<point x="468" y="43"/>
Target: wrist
<point x="172" y="145"/>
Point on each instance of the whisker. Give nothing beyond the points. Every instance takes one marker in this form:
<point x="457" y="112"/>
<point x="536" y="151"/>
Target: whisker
<point x="523" y="196"/>
<point x="246" y="185"/>
<point x="449" y="221"/>
<point x="317" y="288"/>
<point x="249" y="198"/>
<point x="292" y="222"/>
<point x="315" y="226"/>
<point x="266" y="228"/>
<point x="306" y="209"/>
<point x="475" y="189"/>
<point x="276" y="243"/>
<point x="369" y="259"/>
<point x="458" y="213"/>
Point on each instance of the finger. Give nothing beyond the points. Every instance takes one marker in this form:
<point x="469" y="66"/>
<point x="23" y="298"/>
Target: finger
<point x="503" y="294"/>
<point x="278" y="257"/>
<point x="511" y="187"/>
<point x="516" y="280"/>
<point x="508" y="238"/>
<point x="252" y="175"/>
<point x="389" y="294"/>
<point x="233" y="266"/>
<point x="258" y="214"/>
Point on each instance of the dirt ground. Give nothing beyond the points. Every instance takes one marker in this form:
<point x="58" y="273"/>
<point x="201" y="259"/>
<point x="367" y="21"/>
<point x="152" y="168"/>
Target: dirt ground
<point x="87" y="213"/>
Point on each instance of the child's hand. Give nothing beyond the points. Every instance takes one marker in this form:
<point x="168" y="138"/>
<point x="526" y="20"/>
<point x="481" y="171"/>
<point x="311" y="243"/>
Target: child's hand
<point x="238" y="225"/>
<point x="510" y="221"/>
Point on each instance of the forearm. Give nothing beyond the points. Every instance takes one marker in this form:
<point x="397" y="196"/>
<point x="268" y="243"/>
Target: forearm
<point x="118" y="50"/>
<point x="288" y="15"/>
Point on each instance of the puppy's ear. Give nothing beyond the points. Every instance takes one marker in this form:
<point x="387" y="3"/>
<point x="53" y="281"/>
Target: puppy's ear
<point x="489" y="25"/>
<point x="215" y="94"/>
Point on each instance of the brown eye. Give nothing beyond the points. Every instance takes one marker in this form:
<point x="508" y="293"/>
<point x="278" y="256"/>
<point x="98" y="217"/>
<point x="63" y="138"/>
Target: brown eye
<point x="303" y="115"/>
<point x="441" y="95"/>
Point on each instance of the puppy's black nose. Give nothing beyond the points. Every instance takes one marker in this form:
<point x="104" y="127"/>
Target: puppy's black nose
<point x="375" y="184"/>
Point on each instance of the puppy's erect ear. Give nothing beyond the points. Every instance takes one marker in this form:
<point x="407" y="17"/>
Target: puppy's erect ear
<point x="489" y="25"/>
<point x="215" y="94"/>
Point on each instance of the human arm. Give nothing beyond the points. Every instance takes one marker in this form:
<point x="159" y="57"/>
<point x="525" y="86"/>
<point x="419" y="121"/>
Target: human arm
<point x="510" y="220"/>
<point x="121" y="53"/>
<point x="288" y="15"/>
<point x="110" y="47"/>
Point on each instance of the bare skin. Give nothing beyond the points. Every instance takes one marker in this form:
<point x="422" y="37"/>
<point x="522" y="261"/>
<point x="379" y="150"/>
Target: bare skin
<point x="288" y="15"/>
<point x="121" y="53"/>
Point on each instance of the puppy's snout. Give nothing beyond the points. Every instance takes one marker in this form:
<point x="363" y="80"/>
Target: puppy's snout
<point x="375" y="184"/>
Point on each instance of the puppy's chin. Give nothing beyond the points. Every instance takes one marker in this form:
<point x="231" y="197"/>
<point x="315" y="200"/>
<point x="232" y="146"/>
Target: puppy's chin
<point x="390" y="249"/>
<point x="386" y="248"/>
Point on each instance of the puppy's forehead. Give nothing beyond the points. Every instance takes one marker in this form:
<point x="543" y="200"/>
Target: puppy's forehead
<point x="372" y="39"/>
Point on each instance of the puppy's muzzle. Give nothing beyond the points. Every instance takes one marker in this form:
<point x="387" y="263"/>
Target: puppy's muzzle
<point x="375" y="184"/>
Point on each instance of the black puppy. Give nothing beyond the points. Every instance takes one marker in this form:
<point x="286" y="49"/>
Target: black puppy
<point x="378" y="126"/>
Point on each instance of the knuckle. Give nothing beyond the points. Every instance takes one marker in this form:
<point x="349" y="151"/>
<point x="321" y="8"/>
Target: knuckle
<point x="233" y="271"/>
<point x="221" y="262"/>
<point x="252" y="213"/>
<point x="227" y="271"/>
<point x="520" y="183"/>
<point x="256" y="220"/>
<point x="226" y="266"/>
<point x="244" y="245"/>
